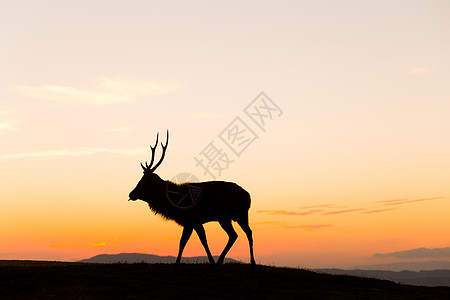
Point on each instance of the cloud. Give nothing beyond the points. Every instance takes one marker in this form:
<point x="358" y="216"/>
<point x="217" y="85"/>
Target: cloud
<point x="289" y="213"/>
<point x="386" y="202"/>
<point x="64" y="245"/>
<point x="330" y="209"/>
<point x="417" y="253"/>
<point x="377" y="210"/>
<point x="317" y="206"/>
<point x="272" y="223"/>
<point x="7" y="125"/>
<point x="413" y="71"/>
<point x="61" y="152"/>
<point x="405" y="201"/>
<point x="107" y="91"/>
<point x="343" y="211"/>
<point x="97" y="244"/>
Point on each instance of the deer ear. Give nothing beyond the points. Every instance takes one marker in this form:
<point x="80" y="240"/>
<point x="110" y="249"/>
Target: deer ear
<point x="143" y="168"/>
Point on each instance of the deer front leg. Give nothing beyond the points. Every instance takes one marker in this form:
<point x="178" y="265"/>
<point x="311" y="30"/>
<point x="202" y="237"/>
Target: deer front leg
<point x="187" y="231"/>
<point x="201" y="234"/>
<point x="232" y="236"/>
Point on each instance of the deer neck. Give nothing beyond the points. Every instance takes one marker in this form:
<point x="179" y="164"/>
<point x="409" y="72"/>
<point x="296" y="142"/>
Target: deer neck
<point x="157" y="199"/>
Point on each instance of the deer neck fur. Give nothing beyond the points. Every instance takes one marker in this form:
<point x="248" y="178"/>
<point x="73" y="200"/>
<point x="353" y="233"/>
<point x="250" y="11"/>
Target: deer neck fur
<point x="159" y="203"/>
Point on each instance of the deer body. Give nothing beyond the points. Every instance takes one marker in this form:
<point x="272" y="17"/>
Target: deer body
<point x="219" y="201"/>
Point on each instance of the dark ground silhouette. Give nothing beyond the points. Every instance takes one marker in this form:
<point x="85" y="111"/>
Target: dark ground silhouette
<point x="53" y="280"/>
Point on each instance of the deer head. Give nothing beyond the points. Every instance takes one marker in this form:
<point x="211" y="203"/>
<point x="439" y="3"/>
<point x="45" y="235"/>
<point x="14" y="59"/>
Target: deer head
<point x="149" y="179"/>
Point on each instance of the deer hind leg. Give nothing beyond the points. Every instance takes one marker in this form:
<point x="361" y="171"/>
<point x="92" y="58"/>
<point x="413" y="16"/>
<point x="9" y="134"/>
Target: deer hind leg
<point x="246" y="228"/>
<point x="187" y="231"/>
<point x="232" y="236"/>
<point x="201" y="234"/>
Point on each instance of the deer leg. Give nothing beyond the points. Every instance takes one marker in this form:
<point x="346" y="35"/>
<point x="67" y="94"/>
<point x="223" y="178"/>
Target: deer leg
<point x="187" y="231"/>
<point x="232" y="236"/>
<point x="244" y="225"/>
<point x="201" y="234"/>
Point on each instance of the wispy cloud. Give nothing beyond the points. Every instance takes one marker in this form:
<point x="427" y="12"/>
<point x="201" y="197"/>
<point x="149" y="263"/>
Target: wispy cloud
<point x="377" y="210"/>
<point x="6" y="122"/>
<point x="7" y="125"/>
<point x="336" y="212"/>
<point x="271" y="223"/>
<point x="417" y="253"/>
<point x="61" y="152"/>
<point x="415" y="70"/>
<point x="97" y="244"/>
<point x="383" y="202"/>
<point x="289" y="213"/>
<point x="329" y="209"/>
<point x="405" y="201"/>
<point x="106" y="91"/>
<point x="64" y="245"/>
<point x="317" y="206"/>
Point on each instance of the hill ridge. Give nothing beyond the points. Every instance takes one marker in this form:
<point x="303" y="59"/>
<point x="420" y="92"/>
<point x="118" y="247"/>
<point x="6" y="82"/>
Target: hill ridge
<point x="71" y="280"/>
<point x="148" y="258"/>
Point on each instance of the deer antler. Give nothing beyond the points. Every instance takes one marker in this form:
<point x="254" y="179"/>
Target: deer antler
<point x="164" y="147"/>
<point x="147" y="166"/>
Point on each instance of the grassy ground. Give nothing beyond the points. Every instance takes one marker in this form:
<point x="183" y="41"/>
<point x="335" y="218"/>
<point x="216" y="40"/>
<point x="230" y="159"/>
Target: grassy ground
<point x="53" y="280"/>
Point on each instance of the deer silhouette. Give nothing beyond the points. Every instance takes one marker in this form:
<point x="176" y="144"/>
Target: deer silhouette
<point x="217" y="201"/>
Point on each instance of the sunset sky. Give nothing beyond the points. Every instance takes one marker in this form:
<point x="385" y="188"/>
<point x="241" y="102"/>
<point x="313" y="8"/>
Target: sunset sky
<point x="352" y="160"/>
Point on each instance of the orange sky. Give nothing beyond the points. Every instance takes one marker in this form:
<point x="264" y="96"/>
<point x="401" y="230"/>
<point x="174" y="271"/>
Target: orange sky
<point x="354" y="161"/>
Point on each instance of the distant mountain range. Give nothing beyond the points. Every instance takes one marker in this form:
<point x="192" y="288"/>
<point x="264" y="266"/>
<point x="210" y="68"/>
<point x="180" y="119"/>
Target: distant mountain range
<point x="426" y="273"/>
<point x="425" y="278"/>
<point x="410" y="266"/>
<point x="148" y="258"/>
